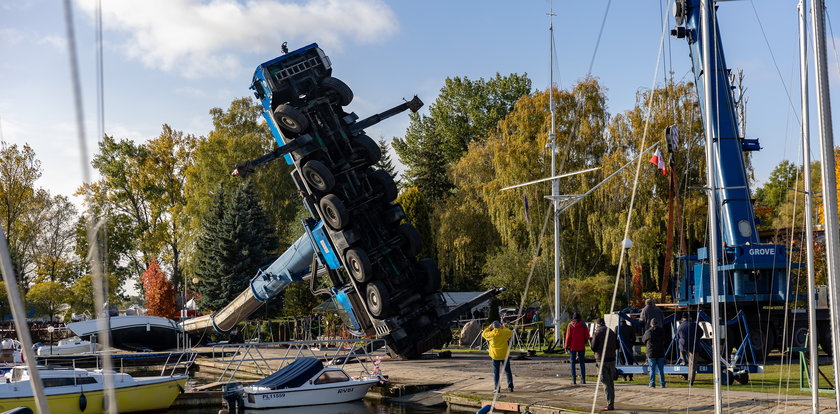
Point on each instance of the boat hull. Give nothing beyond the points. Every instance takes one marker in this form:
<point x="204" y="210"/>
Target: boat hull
<point x="314" y="395"/>
<point x="154" y="395"/>
<point x="136" y="333"/>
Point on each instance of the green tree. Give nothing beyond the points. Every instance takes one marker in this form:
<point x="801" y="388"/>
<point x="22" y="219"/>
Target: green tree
<point x="298" y="300"/>
<point x="21" y="207"/>
<point x="234" y="243"/>
<point x="239" y="134"/>
<point x="386" y="163"/>
<point x="81" y="294"/>
<point x="47" y="297"/>
<point x="54" y="258"/>
<point x="465" y="111"/>
<point x="5" y="308"/>
<point x="419" y="213"/>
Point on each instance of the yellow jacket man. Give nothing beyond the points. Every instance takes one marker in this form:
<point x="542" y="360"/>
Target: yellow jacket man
<point x="497" y="337"/>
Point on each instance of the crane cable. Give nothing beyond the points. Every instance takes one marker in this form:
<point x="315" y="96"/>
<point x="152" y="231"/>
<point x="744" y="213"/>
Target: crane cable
<point x="630" y="208"/>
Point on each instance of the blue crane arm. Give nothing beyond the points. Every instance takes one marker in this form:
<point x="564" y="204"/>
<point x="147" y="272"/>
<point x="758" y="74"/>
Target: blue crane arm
<point x="750" y="270"/>
<point x="736" y="212"/>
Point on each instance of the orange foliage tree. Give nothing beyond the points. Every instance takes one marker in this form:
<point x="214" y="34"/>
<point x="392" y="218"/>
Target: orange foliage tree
<point x="160" y="293"/>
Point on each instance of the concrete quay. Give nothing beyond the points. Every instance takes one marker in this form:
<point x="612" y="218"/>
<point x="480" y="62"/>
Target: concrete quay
<point x="541" y="385"/>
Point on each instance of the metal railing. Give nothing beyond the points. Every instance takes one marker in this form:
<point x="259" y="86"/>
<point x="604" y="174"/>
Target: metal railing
<point x="269" y="357"/>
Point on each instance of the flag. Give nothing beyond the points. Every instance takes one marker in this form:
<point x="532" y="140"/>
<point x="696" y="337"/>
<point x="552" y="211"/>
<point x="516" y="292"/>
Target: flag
<point x="527" y="217"/>
<point x="658" y="161"/>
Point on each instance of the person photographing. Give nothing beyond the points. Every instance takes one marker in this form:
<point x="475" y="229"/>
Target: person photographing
<point x="497" y="337"/>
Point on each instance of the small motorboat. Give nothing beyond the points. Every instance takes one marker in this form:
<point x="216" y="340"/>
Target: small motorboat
<point x="304" y="382"/>
<point x="69" y="346"/>
<point x="75" y="390"/>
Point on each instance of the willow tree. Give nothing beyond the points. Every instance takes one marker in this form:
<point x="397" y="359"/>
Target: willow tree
<point x="671" y="104"/>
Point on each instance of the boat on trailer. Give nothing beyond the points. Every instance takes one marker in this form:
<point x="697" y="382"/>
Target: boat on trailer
<point x="304" y="382"/>
<point x="75" y="390"/>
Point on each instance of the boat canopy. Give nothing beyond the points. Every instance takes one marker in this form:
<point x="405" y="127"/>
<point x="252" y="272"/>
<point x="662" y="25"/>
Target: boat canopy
<point x="292" y="375"/>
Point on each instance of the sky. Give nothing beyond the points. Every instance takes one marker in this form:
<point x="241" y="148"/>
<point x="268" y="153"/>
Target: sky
<point x="171" y="61"/>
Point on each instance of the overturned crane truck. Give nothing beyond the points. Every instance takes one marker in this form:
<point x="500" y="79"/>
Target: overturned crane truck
<point x="355" y="238"/>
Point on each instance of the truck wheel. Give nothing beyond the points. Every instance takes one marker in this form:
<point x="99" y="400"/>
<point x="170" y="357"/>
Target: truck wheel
<point x="290" y="118"/>
<point x="368" y="147"/>
<point x="378" y="299"/>
<point x="318" y="175"/>
<point x="335" y="85"/>
<point x="333" y="211"/>
<point x="763" y="340"/>
<point x="358" y="265"/>
<point x="431" y="274"/>
<point x="411" y="239"/>
<point x="382" y="182"/>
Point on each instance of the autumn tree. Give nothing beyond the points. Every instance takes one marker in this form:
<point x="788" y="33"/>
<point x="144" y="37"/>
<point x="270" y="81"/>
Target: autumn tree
<point x="47" y="297"/>
<point x="161" y="298"/>
<point x="22" y="206"/>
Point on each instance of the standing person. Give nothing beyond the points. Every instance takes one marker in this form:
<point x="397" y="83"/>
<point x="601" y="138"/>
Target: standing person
<point x="654" y="339"/>
<point x="651" y="312"/>
<point x="577" y="334"/>
<point x="688" y="343"/>
<point x="604" y="341"/>
<point x="497" y="337"/>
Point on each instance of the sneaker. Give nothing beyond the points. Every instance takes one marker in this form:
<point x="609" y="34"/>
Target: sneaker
<point x="583" y="382"/>
<point x="510" y="388"/>
<point x="651" y="386"/>
<point x="663" y="385"/>
<point x="608" y="408"/>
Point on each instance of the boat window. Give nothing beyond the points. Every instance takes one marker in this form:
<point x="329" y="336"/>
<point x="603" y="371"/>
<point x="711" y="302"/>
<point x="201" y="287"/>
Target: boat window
<point x="329" y="377"/>
<point x="63" y="382"/>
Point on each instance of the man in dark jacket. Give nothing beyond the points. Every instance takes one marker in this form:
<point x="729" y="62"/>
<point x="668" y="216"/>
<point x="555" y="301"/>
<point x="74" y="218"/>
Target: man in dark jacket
<point x="687" y="338"/>
<point x="603" y="341"/>
<point x="651" y="312"/>
<point x="654" y="339"/>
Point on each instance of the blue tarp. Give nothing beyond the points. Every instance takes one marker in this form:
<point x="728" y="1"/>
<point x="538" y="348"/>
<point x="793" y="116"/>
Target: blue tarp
<point x="292" y="375"/>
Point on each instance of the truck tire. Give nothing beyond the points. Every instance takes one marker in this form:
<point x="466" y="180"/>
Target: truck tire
<point x="290" y="118"/>
<point x="382" y="182"/>
<point x="368" y="147"/>
<point x="334" y="212"/>
<point x="378" y="299"/>
<point x="431" y="276"/>
<point x="335" y="85"/>
<point x="358" y="265"/>
<point x="411" y="239"/>
<point x="318" y="176"/>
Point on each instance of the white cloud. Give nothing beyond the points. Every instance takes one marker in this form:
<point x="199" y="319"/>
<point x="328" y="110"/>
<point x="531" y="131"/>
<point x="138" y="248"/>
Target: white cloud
<point x="203" y="38"/>
<point x="10" y="37"/>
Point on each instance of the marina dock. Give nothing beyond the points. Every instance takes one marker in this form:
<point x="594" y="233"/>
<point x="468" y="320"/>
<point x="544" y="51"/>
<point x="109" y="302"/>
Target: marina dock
<point x="464" y="382"/>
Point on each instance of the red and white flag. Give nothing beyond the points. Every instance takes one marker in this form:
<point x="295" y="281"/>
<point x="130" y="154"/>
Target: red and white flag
<point x="658" y="161"/>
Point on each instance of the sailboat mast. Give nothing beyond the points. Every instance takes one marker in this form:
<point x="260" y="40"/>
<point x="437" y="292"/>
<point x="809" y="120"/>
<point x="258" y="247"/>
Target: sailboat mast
<point x="829" y="182"/>
<point x="555" y="184"/>
<point x="809" y="225"/>
<point x="706" y="17"/>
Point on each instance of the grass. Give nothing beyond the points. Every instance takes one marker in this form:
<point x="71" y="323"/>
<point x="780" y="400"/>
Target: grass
<point x="776" y="378"/>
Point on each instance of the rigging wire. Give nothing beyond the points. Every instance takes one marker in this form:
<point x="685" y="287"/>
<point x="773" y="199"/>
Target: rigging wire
<point x="773" y="57"/>
<point x="92" y="233"/>
<point x="622" y="252"/>
<point x="598" y="42"/>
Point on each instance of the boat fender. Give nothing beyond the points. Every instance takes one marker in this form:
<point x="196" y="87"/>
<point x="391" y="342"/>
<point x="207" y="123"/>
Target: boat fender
<point x="484" y="410"/>
<point x="82" y="402"/>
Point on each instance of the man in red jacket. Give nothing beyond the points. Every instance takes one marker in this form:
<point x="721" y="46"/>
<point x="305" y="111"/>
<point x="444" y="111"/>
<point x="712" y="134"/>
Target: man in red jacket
<point x="577" y="334"/>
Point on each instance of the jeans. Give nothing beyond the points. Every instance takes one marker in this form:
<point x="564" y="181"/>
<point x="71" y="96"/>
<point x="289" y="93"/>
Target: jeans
<point x="654" y="365"/>
<point x="576" y="356"/>
<point x="496" y="365"/>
